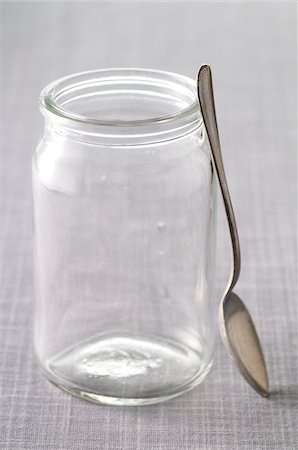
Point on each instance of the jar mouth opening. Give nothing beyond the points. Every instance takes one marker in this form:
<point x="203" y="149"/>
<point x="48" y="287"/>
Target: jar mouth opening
<point x="122" y="97"/>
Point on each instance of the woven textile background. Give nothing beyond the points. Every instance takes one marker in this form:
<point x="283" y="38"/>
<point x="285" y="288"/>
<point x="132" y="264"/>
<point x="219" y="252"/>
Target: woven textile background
<point x="251" y="48"/>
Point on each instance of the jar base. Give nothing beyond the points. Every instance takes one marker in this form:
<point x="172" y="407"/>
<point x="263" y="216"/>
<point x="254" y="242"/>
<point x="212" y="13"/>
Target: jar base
<point x="127" y="369"/>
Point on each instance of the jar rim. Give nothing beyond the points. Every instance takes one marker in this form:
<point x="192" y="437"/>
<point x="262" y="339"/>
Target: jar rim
<point x="52" y="91"/>
<point x="149" y="90"/>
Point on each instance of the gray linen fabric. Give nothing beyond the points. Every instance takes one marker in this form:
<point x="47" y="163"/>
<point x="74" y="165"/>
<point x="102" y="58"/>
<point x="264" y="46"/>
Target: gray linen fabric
<point x="252" y="50"/>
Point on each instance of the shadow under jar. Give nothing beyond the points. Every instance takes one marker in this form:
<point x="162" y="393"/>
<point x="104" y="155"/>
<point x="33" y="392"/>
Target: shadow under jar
<point x="124" y="213"/>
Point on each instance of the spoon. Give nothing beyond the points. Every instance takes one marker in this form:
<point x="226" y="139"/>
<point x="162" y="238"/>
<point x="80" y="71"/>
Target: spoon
<point x="235" y="323"/>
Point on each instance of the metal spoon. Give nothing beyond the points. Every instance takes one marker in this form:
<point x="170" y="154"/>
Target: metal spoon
<point x="235" y="323"/>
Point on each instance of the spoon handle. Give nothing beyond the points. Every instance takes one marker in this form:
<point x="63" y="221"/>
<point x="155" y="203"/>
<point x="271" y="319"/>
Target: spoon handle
<point x="206" y="100"/>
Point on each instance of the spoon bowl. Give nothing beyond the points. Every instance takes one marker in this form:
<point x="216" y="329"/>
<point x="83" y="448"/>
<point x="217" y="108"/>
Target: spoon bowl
<point x="241" y="339"/>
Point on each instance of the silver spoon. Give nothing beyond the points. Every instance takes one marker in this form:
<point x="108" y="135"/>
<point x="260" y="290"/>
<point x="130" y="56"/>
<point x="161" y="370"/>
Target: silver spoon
<point x="235" y="323"/>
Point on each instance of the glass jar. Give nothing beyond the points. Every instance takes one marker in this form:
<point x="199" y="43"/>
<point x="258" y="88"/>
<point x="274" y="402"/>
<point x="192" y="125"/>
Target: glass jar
<point x="124" y="213"/>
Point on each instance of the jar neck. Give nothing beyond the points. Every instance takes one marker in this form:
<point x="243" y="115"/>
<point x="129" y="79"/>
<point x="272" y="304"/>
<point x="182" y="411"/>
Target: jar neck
<point x="116" y="136"/>
<point x="121" y="107"/>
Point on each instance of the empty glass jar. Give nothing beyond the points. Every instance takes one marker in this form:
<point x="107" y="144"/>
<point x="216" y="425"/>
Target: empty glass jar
<point x="124" y="212"/>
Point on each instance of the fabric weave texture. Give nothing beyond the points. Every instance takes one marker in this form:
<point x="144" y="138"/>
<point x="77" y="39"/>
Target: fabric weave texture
<point x="251" y="49"/>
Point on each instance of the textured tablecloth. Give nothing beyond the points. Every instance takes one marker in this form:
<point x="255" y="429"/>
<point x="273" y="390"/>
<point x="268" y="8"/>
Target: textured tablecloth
<point x="251" y="48"/>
